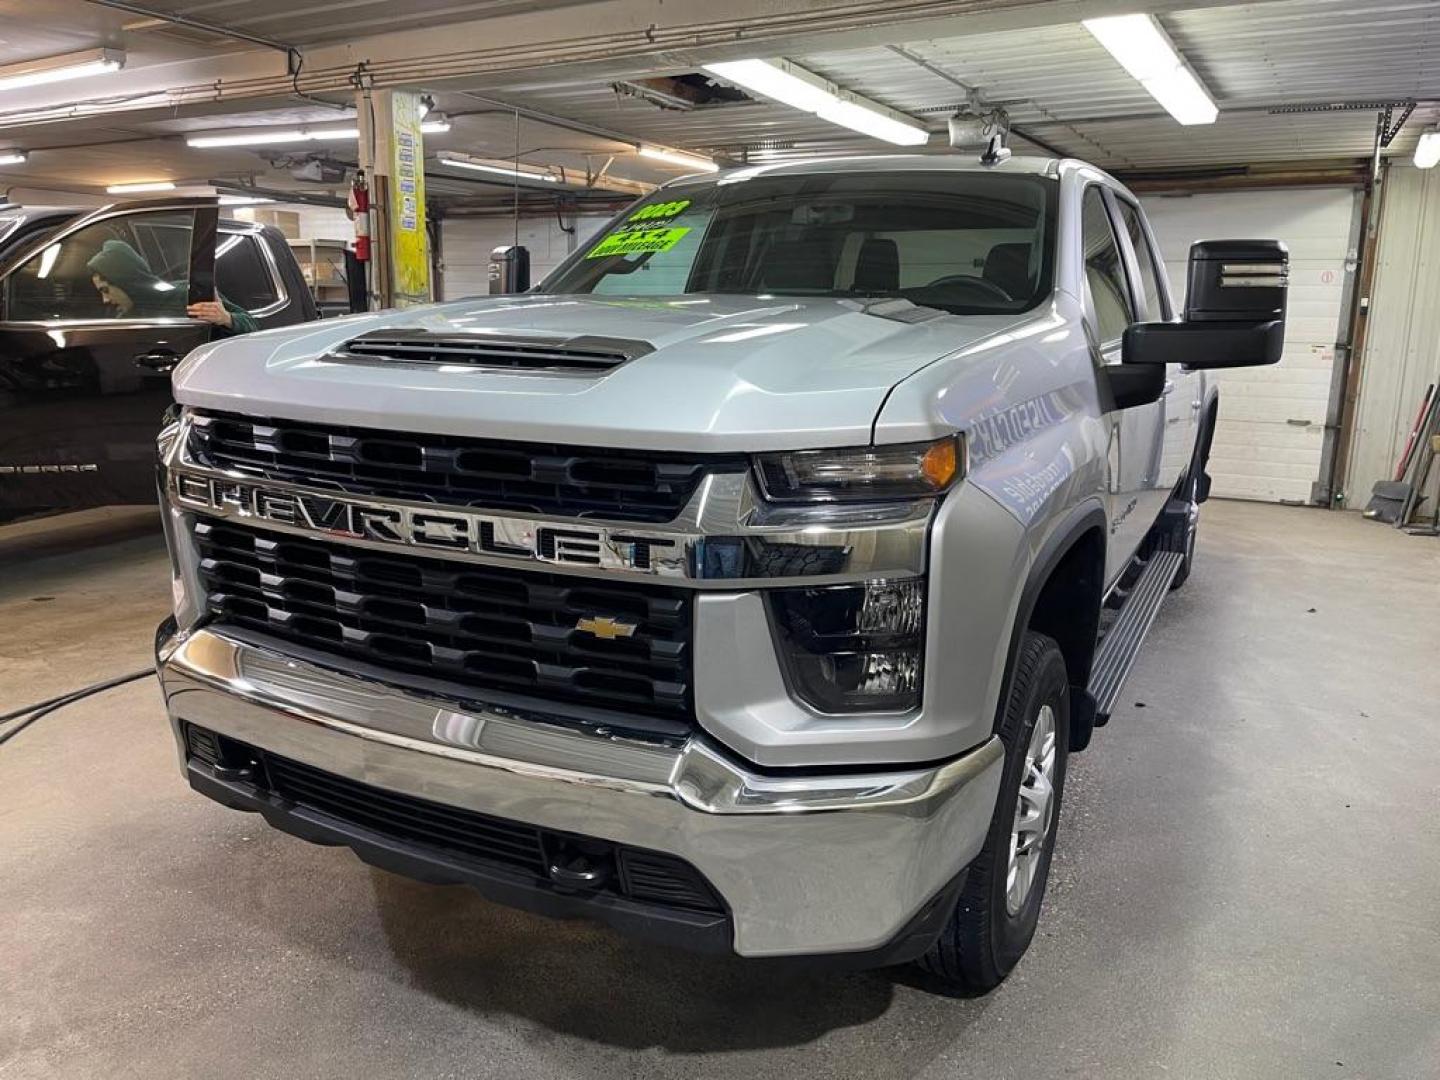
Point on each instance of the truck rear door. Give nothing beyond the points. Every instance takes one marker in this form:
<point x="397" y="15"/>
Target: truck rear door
<point x="1180" y="400"/>
<point x="92" y="320"/>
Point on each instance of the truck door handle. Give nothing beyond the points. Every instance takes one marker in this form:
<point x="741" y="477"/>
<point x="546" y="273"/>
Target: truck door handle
<point x="160" y="361"/>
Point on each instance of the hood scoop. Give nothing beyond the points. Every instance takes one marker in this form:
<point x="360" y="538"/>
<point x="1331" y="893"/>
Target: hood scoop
<point x="504" y="352"/>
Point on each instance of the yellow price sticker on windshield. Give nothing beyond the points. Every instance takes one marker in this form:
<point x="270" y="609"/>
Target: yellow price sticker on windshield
<point x="659" y="211"/>
<point x="635" y="241"/>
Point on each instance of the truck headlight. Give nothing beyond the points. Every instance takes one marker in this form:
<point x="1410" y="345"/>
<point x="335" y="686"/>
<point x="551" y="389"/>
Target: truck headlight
<point x="862" y="473"/>
<point x="853" y="648"/>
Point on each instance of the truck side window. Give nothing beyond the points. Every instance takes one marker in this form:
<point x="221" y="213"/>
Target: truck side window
<point x="242" y="275"/>
<point x="1155" y="307"/>
<point x="1106" y="299"/>
<point x="112" y="269"/>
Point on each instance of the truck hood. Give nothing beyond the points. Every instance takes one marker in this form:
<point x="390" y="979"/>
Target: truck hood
<point x="724" y="372"/>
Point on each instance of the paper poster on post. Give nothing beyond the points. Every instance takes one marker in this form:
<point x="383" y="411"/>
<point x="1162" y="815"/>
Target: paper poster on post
<point x="409" y="247"/>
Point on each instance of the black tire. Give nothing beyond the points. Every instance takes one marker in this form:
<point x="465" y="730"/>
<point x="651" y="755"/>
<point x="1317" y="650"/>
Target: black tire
<point x="982" y="940"/>
<point x="1192" y="492"/>
<point x="1184" y="571"/>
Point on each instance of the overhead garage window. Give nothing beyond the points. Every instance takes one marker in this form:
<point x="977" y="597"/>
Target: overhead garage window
<point x="242" y="273"/>
<point x="131" y="266"/>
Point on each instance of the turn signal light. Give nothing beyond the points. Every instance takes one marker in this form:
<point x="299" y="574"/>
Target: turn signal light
<point x="863" y="473"/>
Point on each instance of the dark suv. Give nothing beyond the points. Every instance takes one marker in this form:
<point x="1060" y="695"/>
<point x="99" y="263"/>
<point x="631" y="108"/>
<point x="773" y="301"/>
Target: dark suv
<point x="84" y="381"/>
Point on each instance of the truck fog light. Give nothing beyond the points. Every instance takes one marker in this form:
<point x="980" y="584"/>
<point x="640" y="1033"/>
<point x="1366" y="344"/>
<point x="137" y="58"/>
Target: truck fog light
<point x="853" y="648"/>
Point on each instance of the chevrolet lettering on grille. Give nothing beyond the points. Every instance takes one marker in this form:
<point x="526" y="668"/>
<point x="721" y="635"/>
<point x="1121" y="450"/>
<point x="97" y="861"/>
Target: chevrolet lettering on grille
<point x="497" y="536"/>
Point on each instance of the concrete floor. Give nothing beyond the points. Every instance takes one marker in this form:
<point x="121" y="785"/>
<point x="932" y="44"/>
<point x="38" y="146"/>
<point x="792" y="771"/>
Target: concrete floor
<point x="1247" y="882"/>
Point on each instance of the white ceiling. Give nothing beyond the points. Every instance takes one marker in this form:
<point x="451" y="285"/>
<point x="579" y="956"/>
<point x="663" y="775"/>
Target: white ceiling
<point x="1057" y="83"/>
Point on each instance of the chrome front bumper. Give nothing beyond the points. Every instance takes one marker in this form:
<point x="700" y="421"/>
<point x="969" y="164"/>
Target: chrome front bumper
<point x="837" y="863"/>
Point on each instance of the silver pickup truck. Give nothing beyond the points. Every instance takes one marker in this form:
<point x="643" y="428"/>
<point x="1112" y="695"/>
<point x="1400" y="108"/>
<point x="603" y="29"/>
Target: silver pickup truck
<point x="745" y="585"/>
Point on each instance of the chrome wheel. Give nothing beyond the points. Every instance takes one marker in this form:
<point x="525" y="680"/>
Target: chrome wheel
<point x="1034" y="810"/>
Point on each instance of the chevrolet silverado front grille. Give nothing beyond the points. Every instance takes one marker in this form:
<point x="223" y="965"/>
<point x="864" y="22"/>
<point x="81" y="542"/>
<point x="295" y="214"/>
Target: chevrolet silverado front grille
<point x="650" y="877"/>
<point x="546" y="637"/>
<point x="540" y="478"/>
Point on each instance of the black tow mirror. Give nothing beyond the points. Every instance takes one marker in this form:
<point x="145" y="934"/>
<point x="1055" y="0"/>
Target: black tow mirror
<point x="1237" y="281"/>
<point x="1204" y="345"/>
<point x="1234" y="310"/>
<point x="1130" y="386"/>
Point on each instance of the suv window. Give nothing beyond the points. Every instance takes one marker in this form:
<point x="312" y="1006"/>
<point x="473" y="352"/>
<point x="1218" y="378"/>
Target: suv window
<point x="241" y="273"/>
<point x="133" y="266"/>
<point x="1155" y="307"/>
<point x="1106" y="300"/>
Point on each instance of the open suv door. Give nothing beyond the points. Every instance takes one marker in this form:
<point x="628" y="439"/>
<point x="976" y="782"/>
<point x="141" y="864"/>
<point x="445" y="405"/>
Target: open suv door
<point x="84" y="379"/>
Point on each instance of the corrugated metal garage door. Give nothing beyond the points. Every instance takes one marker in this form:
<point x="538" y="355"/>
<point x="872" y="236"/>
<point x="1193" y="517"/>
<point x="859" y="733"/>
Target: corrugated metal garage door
<point x="1272" y="420"/>
<point x="467" y="243"/>
<point x="1402" y="342"/>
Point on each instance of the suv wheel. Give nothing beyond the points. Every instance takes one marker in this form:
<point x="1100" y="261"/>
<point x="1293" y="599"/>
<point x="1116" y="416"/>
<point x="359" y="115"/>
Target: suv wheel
<point x="997" y="911"/>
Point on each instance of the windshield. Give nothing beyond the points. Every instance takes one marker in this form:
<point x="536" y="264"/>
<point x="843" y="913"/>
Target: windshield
<point x="968" y="243"/>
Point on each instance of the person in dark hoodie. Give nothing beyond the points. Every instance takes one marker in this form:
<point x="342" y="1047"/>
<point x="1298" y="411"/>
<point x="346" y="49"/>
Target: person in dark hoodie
<point x="126" y="283"/>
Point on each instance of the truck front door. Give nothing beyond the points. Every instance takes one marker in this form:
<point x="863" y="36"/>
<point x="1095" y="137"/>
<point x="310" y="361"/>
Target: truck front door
<point x="1135" y="438"/>
<point x="92" y="320"/>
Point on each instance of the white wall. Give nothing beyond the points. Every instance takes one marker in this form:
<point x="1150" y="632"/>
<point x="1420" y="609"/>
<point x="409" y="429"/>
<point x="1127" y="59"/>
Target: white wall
<point x="1272" y="419"/>
<point x="1402" y="341"/>
<point x="310" y="222"/>
<point x="466" y="243"/>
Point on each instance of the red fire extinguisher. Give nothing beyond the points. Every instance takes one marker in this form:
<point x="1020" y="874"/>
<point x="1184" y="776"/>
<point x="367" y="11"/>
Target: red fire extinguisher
<point x="360" y="209"/>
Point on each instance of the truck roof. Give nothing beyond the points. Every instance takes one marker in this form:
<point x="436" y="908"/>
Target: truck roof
<point x="966" y="161"/>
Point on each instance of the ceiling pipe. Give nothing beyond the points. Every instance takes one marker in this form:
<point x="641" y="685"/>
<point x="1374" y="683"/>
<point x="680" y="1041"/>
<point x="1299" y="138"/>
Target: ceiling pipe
<point x="196" y="24"/>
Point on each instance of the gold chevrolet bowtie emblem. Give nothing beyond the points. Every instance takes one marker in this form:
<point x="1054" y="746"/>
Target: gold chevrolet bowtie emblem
<point x="606" y="628"/>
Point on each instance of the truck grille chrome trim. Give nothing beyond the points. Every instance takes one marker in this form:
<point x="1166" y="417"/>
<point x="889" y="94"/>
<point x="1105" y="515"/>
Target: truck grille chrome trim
<point x="538" y="478"/>
<point x="721" y="537"/>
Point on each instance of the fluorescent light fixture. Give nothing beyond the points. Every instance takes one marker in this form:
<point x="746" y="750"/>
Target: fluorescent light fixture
<point x="59" y="68"/>
<point x="243" y="200"/>
<point x="698" y="162"/>
<point x="857" y="117"/>
<point x="13" y="157"/>
<point x="1427" y="150"/>
<point x="274" y="136"/>
<point x="1142" y="48"/>
<point x="281" y="136"/>
<point x="780" y="80"/>
<point x="149" y="185"/>
<point x="510" y="170"/>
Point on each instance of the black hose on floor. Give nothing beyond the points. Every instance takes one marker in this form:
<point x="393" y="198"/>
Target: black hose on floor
<point x="33" y="712"/>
